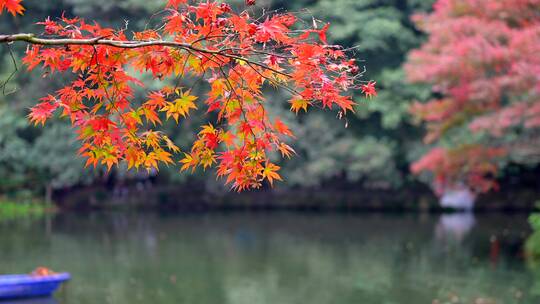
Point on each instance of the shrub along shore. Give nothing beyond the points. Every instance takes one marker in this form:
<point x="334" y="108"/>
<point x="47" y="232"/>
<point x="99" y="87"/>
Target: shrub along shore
<point x="24" y="209"/>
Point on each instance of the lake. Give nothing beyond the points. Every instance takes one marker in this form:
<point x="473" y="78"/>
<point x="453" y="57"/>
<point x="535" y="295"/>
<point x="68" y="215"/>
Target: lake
<point x="275" y="257"/>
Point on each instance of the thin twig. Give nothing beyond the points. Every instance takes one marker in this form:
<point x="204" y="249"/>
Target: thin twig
<point x="15" y="70"/>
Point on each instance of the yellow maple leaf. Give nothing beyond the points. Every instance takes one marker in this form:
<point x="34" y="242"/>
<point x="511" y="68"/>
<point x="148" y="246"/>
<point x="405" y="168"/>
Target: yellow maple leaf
<point x="297" y="104"/>
<point x="188" y="161"/>
<point x="270" y="173"/>
<point x="180" y="106"/>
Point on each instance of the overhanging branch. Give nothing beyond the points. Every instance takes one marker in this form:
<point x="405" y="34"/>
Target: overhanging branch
<point x="128" y="44"/>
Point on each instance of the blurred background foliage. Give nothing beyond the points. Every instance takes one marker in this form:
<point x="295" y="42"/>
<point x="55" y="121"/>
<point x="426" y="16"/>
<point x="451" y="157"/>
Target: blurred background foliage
<point x="372" y="149"/>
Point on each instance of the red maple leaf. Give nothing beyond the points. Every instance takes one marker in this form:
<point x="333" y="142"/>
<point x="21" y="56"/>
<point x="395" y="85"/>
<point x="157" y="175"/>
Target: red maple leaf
<point x="369" y="89"/>
<point x="12" y="6"/>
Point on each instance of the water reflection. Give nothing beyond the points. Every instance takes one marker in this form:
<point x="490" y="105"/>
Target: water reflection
<point x="276" y="258"/>
<point x="454" y="226"/>
<point x="31" y="301"/>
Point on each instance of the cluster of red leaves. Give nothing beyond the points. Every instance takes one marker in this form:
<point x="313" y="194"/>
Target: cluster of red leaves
<point x="468" y="164"/>
<point x="482" y="57"/>
<point x="14" y="7"/>
<point x="235" y="53"/>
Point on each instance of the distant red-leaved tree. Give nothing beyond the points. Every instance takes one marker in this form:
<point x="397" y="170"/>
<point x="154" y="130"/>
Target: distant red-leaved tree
<point x="482" y="58"/>
<point x="237" y="54"/>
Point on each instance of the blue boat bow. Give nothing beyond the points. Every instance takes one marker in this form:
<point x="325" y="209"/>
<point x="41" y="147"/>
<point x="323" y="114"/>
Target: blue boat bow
<point x="26" y="286"/>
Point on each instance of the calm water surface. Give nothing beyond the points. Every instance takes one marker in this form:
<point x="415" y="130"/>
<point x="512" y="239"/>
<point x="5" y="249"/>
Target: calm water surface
<point x="243" y="258"/>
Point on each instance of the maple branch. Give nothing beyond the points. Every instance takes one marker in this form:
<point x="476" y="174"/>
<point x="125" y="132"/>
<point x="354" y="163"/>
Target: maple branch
<point x="127" y="44"/>
<point x="15" y="70"/>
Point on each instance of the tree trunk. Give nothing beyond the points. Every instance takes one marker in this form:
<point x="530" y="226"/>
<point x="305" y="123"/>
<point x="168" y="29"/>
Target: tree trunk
<point x="48" y="194"/>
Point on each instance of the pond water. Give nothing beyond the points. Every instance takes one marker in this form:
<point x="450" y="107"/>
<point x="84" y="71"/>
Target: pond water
<point x="274" y="257"/>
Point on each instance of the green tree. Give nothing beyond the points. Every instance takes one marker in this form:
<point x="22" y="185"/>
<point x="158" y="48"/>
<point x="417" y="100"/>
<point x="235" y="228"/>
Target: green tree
<point x="381" y="139"/>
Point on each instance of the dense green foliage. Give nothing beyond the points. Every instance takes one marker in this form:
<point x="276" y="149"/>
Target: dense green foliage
<point x="532" y="249"/>
<point x="11" y="210"/>
<point x="532" y="246"/>
<point x="378" y="143"/>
